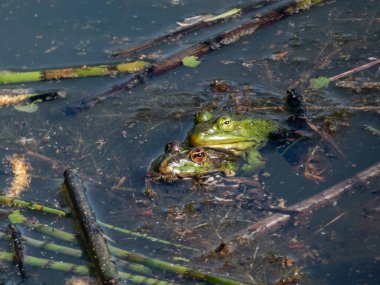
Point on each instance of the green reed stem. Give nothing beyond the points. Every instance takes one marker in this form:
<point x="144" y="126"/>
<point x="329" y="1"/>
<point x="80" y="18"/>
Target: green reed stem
<point x="31" y="205"/>
<point x="172" y="267"/>
<point x="46" y="245"/>
<point x="149" y="262"/>
<point x="79" y="269"/>
<point x="7" y="77"/>
<point x="35" y="206"/>
<point x="145" y="236"/>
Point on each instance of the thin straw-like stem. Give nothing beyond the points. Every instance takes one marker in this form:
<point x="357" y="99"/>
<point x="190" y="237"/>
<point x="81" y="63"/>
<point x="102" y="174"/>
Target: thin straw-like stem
<point x="356" y="69"/>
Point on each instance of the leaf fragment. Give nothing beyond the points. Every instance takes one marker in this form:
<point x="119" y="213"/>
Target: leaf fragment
<point x="191" y="61"/>
<point x="319" y="82"/>
<point x="16" y="217"/>
<point x="29" y="108"/>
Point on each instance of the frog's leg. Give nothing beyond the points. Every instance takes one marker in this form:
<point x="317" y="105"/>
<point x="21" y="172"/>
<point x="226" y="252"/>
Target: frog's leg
<point x="252" y="161"/>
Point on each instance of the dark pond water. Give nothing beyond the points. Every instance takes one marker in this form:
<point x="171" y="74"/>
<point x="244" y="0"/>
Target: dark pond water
<point x="113" y="143"/>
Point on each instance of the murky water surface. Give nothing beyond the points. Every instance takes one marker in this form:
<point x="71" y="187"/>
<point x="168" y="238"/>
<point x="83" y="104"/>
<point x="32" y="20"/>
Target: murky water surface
<point x="113" y="143"/>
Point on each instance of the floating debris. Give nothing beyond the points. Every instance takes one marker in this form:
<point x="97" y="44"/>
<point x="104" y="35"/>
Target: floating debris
<point x="194" y="20"/>
<point x="359" y="85"/>
<point x="21" y="177"/>
<point x="372" y="130"/>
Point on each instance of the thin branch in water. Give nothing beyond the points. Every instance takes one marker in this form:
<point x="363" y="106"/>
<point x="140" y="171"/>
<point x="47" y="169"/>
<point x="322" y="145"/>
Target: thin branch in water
<point x="365" y="178"/>
<point x="354" y="70"/>
<point x="327" y="138"/>
<point x="329" y="223"/>
<point x="202" y="23"/>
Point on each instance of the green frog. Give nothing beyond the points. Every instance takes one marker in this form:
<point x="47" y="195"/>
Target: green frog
<point x="243" y="137"/>
<point x="181" y="161"/>
<point x="220" y="144"/>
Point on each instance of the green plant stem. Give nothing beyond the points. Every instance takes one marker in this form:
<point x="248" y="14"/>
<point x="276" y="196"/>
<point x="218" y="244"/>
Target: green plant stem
<point x="154" y="239"/>
<point x="7" y="77"/>
<point x="79" y="269"/>
<point x="121" y="253"/>
<point x="140" y="259"/>
<point x="31" y="205"/>
<point x="50" y="246"/>
<point x="172" y="267"/>
<point x="35" y="206"/>
<point x="47" y="230"/>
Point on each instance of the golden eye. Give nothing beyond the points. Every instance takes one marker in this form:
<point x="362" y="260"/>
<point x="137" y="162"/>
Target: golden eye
<point x="198" y="155"/>
<point x="225" y="123"/>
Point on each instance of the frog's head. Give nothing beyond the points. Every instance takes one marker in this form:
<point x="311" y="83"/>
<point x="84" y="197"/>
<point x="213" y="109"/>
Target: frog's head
<point x="229" y="134"/>
<point x="180" y="161"/>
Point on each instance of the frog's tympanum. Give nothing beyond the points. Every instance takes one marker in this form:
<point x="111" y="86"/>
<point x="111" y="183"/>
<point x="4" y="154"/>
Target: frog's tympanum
<point x="181" y="161"/>
<point x="240" y="137"/>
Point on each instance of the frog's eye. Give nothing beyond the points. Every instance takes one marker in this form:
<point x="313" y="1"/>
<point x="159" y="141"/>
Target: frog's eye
<point x="225" y="123"/>
<point x="198" y="155"/>
<point x="202" y="116"/>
